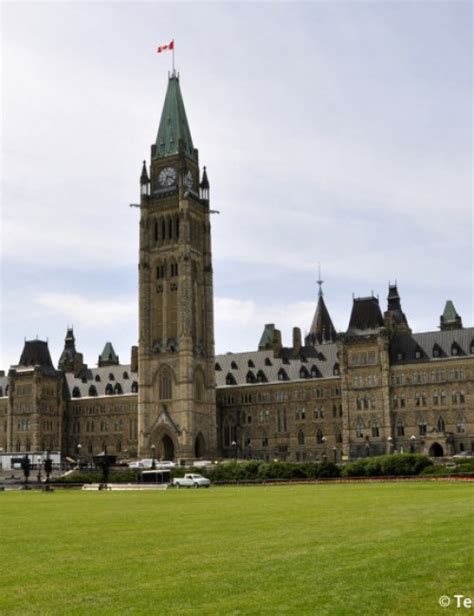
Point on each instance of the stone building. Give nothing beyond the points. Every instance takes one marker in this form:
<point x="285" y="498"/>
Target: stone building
<point x="375" y="388"/>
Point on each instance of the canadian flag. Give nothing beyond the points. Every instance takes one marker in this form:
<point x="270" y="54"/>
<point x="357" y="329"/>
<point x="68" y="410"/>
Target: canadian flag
<point x="169" y="46"/>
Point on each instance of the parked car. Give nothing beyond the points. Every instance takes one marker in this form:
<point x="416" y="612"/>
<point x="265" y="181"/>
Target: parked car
<point x="191" y="480"/>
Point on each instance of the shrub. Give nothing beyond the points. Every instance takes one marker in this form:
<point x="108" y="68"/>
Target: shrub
<point x="394" y="465"/>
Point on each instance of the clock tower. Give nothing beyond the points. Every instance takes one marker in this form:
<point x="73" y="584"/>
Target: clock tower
<point x="176" y="396"/>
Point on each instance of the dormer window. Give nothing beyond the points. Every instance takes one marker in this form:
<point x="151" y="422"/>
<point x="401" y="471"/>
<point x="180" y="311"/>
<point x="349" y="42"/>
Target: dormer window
<point x="261" y="377"/>
<point x="400" y="356"/>
<point x="217" y="367"/>
<point x="125" y="375"/>
<point x="92" y="390"/>
<point x="471" y="347"/>
<point x="455" y="349"/>
<point x="304" y="374"/>
<point x="229" y="379"/>
<point x="285" y="360"/>
<point x="97" y="378"/>
<point x="418" y="353"/>
<point x="269" y="363"/>
<point x="234" y="366"/>
<point x="109" y="390"/>
<point x="111" y="377"/>
<point x="315" y="373"/>
<point x="134" y="387"/>
<point x="250" y="377"/>
<point x="251" y="364"/>
<point x="436" y="350"/>
<point x="282" y="375"/>
<point x="118" y="389"/>
<point x="76" y="392"/>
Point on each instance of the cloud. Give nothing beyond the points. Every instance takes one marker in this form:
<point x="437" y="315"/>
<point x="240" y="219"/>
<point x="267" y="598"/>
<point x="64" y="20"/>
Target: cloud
<point x="90" y="312"/>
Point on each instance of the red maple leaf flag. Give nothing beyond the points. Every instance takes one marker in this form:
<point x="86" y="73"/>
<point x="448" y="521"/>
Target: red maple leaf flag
<point x="168" y="46"/>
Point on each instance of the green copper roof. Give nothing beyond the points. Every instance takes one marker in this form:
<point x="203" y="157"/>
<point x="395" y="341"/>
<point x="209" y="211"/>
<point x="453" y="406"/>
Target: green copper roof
<point x="108" y="354"/>
<point x="173" y="124"/>
<point x="266" y="340"/>
<point x="450" y="313"/>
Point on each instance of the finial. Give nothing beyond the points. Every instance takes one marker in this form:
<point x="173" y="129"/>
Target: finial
<point x="319" y="281"/>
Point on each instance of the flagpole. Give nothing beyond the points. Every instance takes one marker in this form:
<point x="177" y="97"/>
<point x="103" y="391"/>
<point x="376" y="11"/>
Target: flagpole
<point x="172" y="51"/>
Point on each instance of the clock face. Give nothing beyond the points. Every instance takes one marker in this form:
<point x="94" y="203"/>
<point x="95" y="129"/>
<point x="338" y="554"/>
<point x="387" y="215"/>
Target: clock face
<point x="188" y="180"/>
<point x="167" y="176"/>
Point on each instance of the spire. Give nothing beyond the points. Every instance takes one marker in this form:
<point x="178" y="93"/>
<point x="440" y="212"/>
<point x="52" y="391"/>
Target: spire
<point x="174" y="136"/>
<point x="319" y="281"/>
<point x="205" y="181"/>
<point x="394" y="317"/>
<point x="450" y="319"/>
<point x="144" y="176"/>
<point x="322" y="329"/>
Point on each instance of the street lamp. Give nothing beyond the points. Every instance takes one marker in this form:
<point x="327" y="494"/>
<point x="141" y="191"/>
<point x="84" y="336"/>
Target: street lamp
<point x="79" y="447"/>
<point x="234" y="447"/>
<point x="412" y="443"/>
<point x="153" y="463"/>
<point x="390" y="444"/>
<point x="324" y="456"/>
<point x="334" y="450"/>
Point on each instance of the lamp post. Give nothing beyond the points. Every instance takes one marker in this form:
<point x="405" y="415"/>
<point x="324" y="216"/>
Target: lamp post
<point x="390" y="444"/>
<point x="334" y="450"/>
<point x="367" y="446"/>
<point x="48" y="467"/>
<point x="412" y="443"/>
<point x="153" y="463"/>
<point x="38" y="477"/>
<point x="324" y="456"/>
<point x="79" y="447"/>
<point x="234" y="447"/>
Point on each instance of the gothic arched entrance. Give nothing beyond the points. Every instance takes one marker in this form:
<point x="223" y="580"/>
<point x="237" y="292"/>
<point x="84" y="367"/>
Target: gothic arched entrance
<point x="167" y="447"/>
<point x="436" y="451"/>
<point x="199" y="446"/>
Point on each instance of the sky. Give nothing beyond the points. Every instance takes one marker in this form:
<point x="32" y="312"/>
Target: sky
<point x="337" y="133"/>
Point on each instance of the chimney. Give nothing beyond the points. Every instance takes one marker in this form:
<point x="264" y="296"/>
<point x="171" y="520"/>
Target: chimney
<point x="296" y="341"/>
<point x="134" y="359"/>
<point x="276" y="342"/>
<point x="79" y="365"/>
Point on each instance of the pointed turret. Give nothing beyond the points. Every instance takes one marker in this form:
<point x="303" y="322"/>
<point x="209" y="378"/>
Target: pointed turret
<point x="450" y="319"/>
<point x="71" y="360"/>
<point x="174" y="136"/>
<point x="394" y="317"/>
<point x="204" y="185"/>
<point x="108" y="357"/>
<point x="322" y="329"/>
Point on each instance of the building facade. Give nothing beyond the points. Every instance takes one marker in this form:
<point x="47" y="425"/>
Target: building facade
<point x="375" y="388"/>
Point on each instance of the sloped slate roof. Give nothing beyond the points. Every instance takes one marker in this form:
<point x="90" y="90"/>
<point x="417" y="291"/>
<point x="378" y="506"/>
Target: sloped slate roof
<point x="323" y="358"/>
<point x="90" y="374"/>
<point x="407" y="345"/>
<point x="36" y="353"/>
<point x="365" y="316"/>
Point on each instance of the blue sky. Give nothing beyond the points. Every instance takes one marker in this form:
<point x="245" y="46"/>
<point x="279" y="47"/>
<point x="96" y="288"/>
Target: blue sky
<point x="333" y="132"/>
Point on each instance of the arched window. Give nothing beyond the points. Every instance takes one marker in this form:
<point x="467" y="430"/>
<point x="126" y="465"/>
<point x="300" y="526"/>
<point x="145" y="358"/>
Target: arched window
<point x="268" y="361"/>
<point x="455" y="348"/>
<point x="261" y="377"/>
<point x="111" y="377"/>
<point x="338" y="435"/>
<point x="125" y="375"/>
<point x="250" y="378"/>
<point x="109" y="390"/>
<point x="97" y="378"/>
<point x="217" y="366"/>
<point x="118" y="389"/>
<point x="437" y="350"/>
<point x="304" y="374"/>
<point x="336" y="370"/>
<point x="76" y="392"/>
<point x="165" y="384"/>
<point x="264" y="439"/>
<point x="315" y="372"/>
<point x="301" y="438"/>
<point x="375" y="429"/>
<point x="250" y="364"/>
<point x="460" y="424"/>
<point x="319" y="436"/>
<point x="440" y="425"/>
<point x="134" y="387"/>
<point x="227" y="432"/>
<point x="400" y="427"/>
<point x="359" y="428"/>
<point x="92" y="390"/>
<point x="422" y="427"/>
<point x="282" y="375"/>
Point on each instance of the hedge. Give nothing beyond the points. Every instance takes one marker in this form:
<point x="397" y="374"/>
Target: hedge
<point x="394" y="465"/>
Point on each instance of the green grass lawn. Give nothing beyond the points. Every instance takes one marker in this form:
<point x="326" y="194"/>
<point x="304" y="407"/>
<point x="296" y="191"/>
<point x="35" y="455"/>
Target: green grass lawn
<point x="390" y="548"/>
